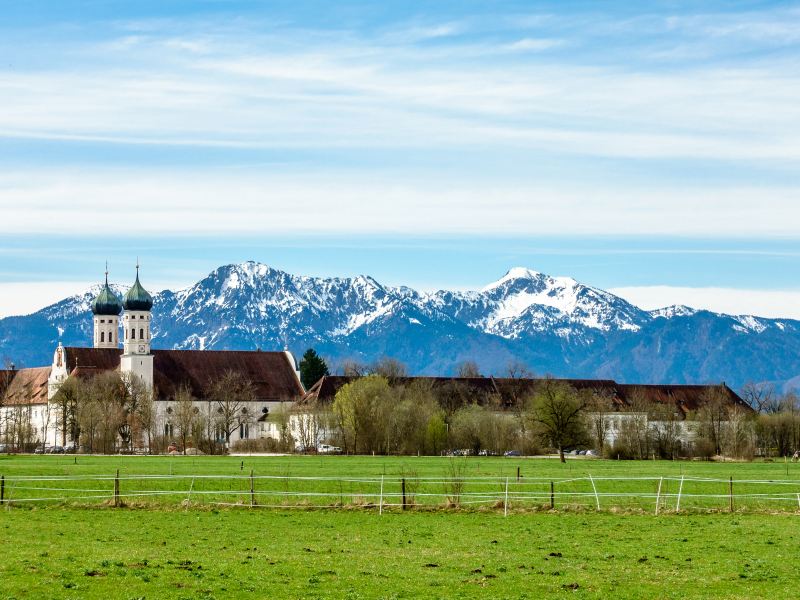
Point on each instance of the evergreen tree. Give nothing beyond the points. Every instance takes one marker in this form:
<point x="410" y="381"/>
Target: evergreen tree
<point x="312" y="368"/>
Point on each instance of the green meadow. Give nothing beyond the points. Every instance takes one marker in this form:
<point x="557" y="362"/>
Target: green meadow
<point x="234" y="553"/>
<point x="430" y="482"/>
<point x="343" y="547"/>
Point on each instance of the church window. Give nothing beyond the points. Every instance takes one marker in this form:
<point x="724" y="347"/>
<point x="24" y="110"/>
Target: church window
<point x="102" y="336"/>
<point x="141" y="334"/>
<point x="168" y="429"/>
<point x="244" y="431"/>
<point x="133" y="334"/>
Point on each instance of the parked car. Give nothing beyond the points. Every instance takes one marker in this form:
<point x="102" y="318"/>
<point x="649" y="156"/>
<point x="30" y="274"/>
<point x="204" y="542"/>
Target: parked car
<point x="328" y="449"/>
<point x="592" y="453"/>
<point x="512" y="453"/>
<point x="40" y="450"/>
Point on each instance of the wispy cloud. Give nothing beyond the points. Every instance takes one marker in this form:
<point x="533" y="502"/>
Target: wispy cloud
<point x="532" y="89"/>
<point x="733" y="301"/>
<point x="330" y="202"/>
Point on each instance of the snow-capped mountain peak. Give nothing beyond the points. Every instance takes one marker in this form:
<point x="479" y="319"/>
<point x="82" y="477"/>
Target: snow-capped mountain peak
<point x="554" y="324"/>
<point x="513" y="274"/>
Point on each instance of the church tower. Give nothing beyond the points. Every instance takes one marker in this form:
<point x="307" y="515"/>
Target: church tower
<point x="136" y="357"/>
<point x="105" y="317"/>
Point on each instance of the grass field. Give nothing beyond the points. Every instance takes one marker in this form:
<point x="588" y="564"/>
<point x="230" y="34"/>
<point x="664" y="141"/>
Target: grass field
<point x="107" y="553"/>
<point x="162" y="548"/>
<point x="345" y="480"/>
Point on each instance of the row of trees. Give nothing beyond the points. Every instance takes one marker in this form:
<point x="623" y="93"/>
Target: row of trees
<point x="375" y="415"/>
<point x="370" y="415"/>
<point x="114" y="412"/>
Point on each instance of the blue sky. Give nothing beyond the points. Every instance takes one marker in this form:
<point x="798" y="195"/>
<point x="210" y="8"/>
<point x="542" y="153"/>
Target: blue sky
<point x="650" y="148"/>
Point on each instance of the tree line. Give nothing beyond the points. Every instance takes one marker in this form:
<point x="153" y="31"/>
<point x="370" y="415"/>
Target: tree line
<point x="379" y="414"/>
<point x="114" y="412"/>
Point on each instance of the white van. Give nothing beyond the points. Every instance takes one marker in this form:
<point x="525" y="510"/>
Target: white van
<point x="328" y="449"/>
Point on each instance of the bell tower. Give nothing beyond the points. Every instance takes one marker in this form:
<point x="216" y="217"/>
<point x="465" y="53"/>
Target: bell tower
<point x="105" y="317"/>
<point x="136" y="357"/>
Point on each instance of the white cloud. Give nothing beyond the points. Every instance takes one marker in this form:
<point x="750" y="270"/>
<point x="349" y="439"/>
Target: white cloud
<point x="28" y="297"/>
<point x="224" y="201"/>
<point x="335" y="90"/>
<point x="282" y="89"/>
<point x="534" y="44"/>
<point x="732" y="301"/>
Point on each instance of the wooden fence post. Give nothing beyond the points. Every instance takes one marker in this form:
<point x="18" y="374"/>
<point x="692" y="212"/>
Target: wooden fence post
<point x="552" y="496"/>
<point x="730" y="494"/>
<point x="517" y="473"/>
<point x="505" y="502"/>
<point x="116" y="489"/>
<point x="2" y="489"/>
<point x="252" y="489"/>
<point x="403" y="482"/>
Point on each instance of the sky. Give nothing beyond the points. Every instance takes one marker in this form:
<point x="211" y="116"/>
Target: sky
<point x="647" y="148"/>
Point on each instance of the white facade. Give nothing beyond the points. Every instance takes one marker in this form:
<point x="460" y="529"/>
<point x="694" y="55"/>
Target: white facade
<point x="136" y="332"/>
<point x="106" y="331"/>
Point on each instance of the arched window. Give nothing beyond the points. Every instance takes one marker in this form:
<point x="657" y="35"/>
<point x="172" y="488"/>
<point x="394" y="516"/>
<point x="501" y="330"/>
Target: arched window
<point x="102" y="336"/>
<point x="126" y="334"/>
<point x="141" y="334"/>
<point x="133" y="334"/>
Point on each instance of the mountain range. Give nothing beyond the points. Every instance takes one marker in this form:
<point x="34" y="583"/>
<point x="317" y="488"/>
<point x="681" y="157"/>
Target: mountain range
<point x="553" y="325"/>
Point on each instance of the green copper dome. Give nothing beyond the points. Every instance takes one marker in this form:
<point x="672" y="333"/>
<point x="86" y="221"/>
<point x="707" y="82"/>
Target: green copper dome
<point x="106" y="302"/>
<point x="137" y="297"/>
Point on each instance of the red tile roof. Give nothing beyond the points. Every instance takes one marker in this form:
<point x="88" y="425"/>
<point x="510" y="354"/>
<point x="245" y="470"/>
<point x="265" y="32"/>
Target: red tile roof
<point x="271" y="373"/>
<point x="458" y="391"/>
<point x="28" y="386"/>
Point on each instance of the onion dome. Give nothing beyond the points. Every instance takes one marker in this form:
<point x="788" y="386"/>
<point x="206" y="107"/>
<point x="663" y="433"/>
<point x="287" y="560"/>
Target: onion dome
<point x="137" y="297"/>
<point x="106" y="302"/>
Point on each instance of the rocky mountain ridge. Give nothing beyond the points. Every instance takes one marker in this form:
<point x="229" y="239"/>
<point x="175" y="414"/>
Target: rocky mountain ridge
<point x="553" y="324"/>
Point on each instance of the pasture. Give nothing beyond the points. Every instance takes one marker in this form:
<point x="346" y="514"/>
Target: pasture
<point x="513" y="484"/>
<point x="160" y="546"/>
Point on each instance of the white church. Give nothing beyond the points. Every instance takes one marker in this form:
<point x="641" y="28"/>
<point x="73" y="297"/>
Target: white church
<point x="29" y="393"/>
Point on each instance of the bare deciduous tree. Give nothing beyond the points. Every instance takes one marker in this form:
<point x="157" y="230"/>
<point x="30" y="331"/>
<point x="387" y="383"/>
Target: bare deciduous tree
<point x="762" y="397"/>
<point x="390" y="368"/>
<point x="184" y="415"/>
<point x="231" y="394"/>
<point x="468" y="368"/>
<point x="599" y="407"/>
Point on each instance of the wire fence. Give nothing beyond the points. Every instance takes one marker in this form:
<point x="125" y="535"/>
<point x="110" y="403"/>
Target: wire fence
<point x="383" y="493"/>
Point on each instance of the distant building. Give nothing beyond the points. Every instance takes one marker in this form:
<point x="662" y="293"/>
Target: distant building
<point x="619" y="402"/>
<point x="28" y="412"/>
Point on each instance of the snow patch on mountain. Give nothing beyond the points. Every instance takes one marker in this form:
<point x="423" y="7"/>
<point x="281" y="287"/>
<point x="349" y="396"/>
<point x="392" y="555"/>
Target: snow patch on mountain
<point x="750" y="323"/>
<point x="676" y="310"/>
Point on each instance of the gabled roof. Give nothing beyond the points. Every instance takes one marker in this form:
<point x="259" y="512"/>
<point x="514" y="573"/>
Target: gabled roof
<point x="458" y="391"/>
<point x="98" y="359"/>
<point x="272" y="373"/>
<point x="686" y="398"/>
<point x="461" y="389"/>
<point x="28" y="386"/>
